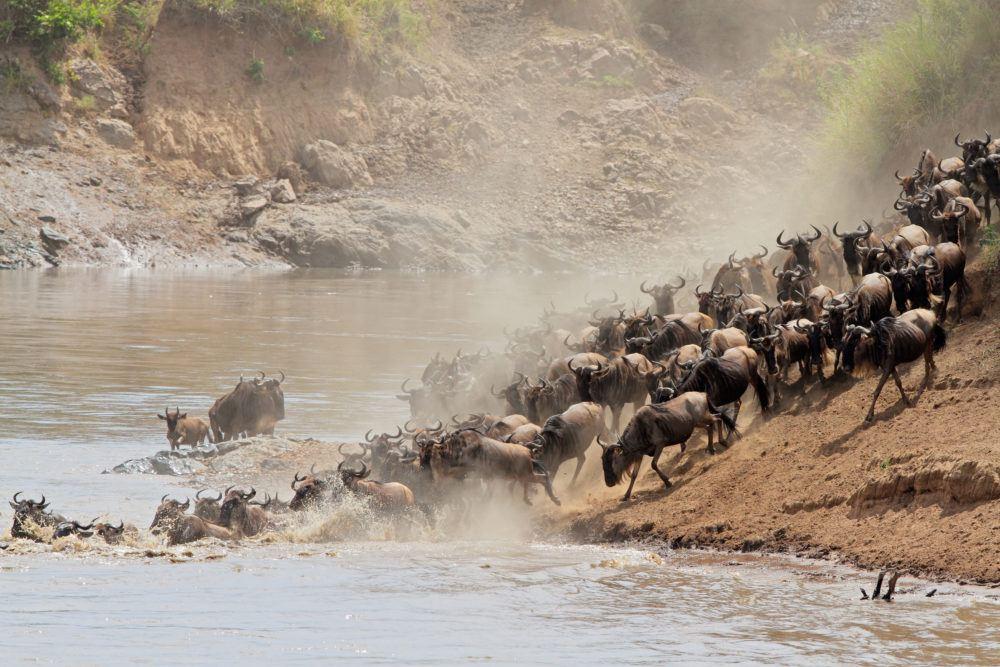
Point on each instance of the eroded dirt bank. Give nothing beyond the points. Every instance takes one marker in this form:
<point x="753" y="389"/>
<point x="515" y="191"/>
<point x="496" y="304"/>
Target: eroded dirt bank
<point x="519" y="134"/>
<point x="919" y="489"/>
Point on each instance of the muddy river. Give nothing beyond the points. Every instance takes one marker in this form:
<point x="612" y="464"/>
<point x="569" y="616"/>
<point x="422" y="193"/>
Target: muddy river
<point x="87" y="359"/>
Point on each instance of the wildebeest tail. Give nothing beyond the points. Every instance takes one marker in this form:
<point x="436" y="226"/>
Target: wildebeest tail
<point x="726" y="419"/>
<point x="939" y="336"/>
<point x="538" y="468"/>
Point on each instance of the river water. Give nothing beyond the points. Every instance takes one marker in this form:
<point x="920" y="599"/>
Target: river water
<point x="87" y="359"/>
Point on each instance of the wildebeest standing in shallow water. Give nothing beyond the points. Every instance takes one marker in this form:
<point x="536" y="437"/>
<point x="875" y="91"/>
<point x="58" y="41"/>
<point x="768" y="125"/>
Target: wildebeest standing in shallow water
<point x="253" y="407"/>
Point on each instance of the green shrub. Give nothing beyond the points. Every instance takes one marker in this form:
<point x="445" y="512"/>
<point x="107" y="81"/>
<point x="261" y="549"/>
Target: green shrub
<point x="926" y="68"/>
<point x="256" y="70"/>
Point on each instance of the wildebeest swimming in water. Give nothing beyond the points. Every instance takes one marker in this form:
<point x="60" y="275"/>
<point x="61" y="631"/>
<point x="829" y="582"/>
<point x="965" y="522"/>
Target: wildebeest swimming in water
<point x="253" y="407"/>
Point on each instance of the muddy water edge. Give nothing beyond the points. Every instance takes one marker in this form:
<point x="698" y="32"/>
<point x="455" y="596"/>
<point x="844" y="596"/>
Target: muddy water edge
<point x="90" y="357"/>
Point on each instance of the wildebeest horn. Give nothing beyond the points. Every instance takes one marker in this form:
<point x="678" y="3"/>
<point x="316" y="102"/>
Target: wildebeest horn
<point x="836" y="233"/>
<point x="399" y="432"/>
<point x="228" y="489"/>
<point x="989" y="137"/>
<point x="818" y="233"/>
<point x="896" y="174"/>
<point x="783" y="244"/>
<point x="312" y="469"/>
<point x="774" y="271"/>
<point x="899" y="204"/>
<point x="763" y="254"/>
<point x="956" y="140"/>
<point x="262" y="375"/>
<point x="965" y="209"/>
<point x="601" y="443"/>
<point x="20" y="492"/>
<point x="683" y="283"/>
<point x="403" y="388"/>
<point x="364" y="472"/>
<point x="411" y="429"/>
<point x="642" y="288"/>
<point x="282" y="373"/>
<point x="197" y="496"/>
<point x="164" y="498"/>
<point x="299" y="479"/>
<point x="186" y="504"/>
<point x="248" y="496"/>
<point x="697" y="290"/>
<point x="368" y="435"/>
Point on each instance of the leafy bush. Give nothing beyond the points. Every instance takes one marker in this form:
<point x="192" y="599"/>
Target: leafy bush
<point x="256" y="70"/>
<point x="926" y="68"/>
<point x="370" y="24"/>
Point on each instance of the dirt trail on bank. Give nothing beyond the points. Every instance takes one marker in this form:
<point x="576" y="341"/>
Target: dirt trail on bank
<point x="918" y="490"/>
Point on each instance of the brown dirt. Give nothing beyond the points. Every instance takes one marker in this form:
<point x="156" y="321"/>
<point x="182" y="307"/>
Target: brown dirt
<point x="919" y="489"/>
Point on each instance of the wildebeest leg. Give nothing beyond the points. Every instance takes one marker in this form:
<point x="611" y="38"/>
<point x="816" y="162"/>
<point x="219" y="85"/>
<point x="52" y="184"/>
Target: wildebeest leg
<point x="878" y="390"/>
<point x="656" y="458"/>
<point x="929" y="366"/>
<point x="960" y="297"/>
<point x="580" y="459"/>
<point x="899" y="385"/>
<point x="708" y="430"/>
<point x="635" y="474"/>
<point x="527" y="501"/>
<point x="616" y="417"/>
<point x="543" y="477"/>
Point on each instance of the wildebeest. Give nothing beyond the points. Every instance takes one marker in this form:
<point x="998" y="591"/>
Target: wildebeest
<point x="240" y="517"/>
<point x="386" y="496"/>
<point x="657" y="426"/>
<point x="308" y="490"/>
<point x="614" y="385"/>
<point x="726" y="378"/>
<point x="253" y="407"/>
<point x="523" y="435"/>
<point x="207" y="508"/>
<point x="663" y="295"/>
<point x="181" y="528"/>
<point x="184" y="430"/>
<point x="30" y="513"/>
<point x="932" y="273"/>
<point x="893" y="341"/>
<point x="850" y="242"/>
<point x="959" y="222"/>
<point x="569" y="435"/>
<point x="674" y="334"/>
<point x="800" y="252"/>
<point x="720" y="340"/>
<point x="72" y="529"/>
<point x="550" y="397"/>
<point x="469" y="451"/>
<point x="110" y="533"/>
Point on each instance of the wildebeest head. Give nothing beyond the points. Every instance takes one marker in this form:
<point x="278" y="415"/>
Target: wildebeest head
<point x="110" y="533"/>
<point x="707" y="300"/>
<point x="30" y="511"/>
<point x="973" y="148"/>
<point x="308" y="490"/>
<point x="207" y="507"/>
<point x="765" y="346"/>
<point x="234" y="499"/>
<point x="663" y="295"/>
<point x="908" y="183"/>
<point x="800" y="246"/>
<point x="167" y="512"/>
<point x="849" y="242"/>
<point x="950" y="220"/>
<point x="271" y="388"/>
<point x="915" y="207"/>
<point x="68" y="528"/>
<point x="172" y="420"/>
<point x="381" y="443"/>
<point x="612" y="461"/>
<point x="583" y="376"/>
<point x="854" y="336"/>
<point x="513" y="393"/>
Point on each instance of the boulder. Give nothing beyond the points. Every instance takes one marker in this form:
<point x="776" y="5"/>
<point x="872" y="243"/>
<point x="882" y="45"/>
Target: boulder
<point x="116" y="132"/>
<point x="247" y="186"/>
<point x="282" y="192"/>
<point x="52" y="239"/>
<point x="292" y="172"/>
<point x="105" y="84"/>
<point x="251" y="206"/>
<point x="332" y="165"/>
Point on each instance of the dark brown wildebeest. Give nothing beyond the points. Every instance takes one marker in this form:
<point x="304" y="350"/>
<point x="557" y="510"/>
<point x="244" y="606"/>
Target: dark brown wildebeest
<point x="657" y="426"/>
<point x="800" y="251"/>
<point x="207" y="508"/>
<point x="870" y="301"/>
<point x="959" y="222"/>
<point x="184" y="430"/>
<point x="730" y="276"/>
<point x="663" y="295"/>
<point x="253" y="407"/>
<point x="308" y="490"/>
<point x="514" y="394"/>
<point x="816" y="334"/>
<point x="29" y="514"/>
<point x="789" y="281"/>
<point x="549" y="398"/>
<point x="725" y="379"/>
<point x="239" y="516"/>
<point x="181" y="528"/>
<point x="386" y="496"/>
<point x="72" y="529"/>
<point x="469" y="451"/>
<point x="850" y="242"/>
<point x="674" y="334"/>
<point x="893" y="341"/>
<point x="569" y="435"/>
<point x="932" y="272"/>
<point x="110" y="533"/>
<point x="615" y="384"/>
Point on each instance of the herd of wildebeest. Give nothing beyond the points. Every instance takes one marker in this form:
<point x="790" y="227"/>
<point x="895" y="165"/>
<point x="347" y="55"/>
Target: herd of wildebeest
<point x="822" y="304"/>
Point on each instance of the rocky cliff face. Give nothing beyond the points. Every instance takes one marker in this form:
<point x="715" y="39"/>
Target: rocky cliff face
<point x="522" y="135"/>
